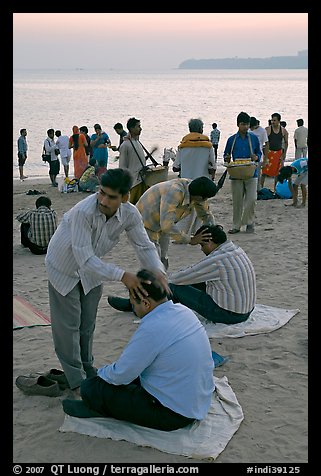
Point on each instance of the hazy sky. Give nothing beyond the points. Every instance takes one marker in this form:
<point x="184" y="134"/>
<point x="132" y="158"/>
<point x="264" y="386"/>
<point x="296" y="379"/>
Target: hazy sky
<point x="151" y="40"/>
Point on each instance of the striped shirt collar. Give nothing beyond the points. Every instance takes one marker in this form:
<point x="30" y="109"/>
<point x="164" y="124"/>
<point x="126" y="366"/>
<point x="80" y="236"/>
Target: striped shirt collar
<point x="118" y="214"/>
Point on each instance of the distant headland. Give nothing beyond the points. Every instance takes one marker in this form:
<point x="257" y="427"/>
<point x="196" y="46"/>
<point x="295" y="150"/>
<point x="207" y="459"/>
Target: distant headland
<point x="274" y="62"/>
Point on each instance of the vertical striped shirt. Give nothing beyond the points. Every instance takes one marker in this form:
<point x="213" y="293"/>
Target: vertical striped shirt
<point x="229" y="276"/>
<point x="166" y="203"/>
<point x="84" y="236"/>
<point x="43" y="223"/>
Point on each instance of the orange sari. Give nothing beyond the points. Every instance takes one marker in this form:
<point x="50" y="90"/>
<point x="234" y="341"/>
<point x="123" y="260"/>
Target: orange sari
<point x="79" y="155"/>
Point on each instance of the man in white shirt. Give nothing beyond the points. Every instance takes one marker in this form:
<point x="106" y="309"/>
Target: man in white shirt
<point x="301" y="140"/>
<point x="132" y="157"/>
<point x="62" y="143"/>
<point x="261" y="134"/>
<point x="164" y="377"/>
<point x="86" y="233"/>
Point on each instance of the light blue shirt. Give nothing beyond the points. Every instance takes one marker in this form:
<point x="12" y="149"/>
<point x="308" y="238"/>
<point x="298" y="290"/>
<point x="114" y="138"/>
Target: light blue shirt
<point x="171" y="353"/>
<point x="301" y="165"/>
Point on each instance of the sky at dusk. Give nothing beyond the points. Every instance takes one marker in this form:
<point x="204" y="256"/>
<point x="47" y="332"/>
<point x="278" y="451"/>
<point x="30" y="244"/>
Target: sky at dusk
<point x="151" y="41"/>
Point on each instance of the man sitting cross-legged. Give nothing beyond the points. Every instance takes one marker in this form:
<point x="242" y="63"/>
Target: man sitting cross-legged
<point x="220" y="287"/>
<point x="164" y="377"/>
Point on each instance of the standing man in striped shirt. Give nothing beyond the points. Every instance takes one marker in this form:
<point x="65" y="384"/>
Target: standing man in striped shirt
<point x="86" y="233"/>
<point x="38" y="226"/>
<point x="221" y="287"/>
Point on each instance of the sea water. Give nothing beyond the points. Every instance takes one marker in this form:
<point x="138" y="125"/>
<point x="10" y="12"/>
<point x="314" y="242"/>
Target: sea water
<point x="164" y="101"/>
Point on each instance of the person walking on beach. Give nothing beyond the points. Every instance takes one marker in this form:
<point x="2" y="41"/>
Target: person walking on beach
<point x="163" y="379"/>
<point x="132" y="157"/>
<point x="62" y="143"/>
<point x="277" y="148"/>
<point x="78" y="143"/>
<point x="99" y="143"/>
<point x="118" y="127"/>
<point x="243" y="144"/>
<point x="76" y="270"/>
<point x="164" y="204"/>
<point x="51" y="149"/>
<point x="22" y="152"/>
<point x="301" y="140"/>
<point x="299" y="167"/>
<point x="215" y="138"/>
<point x="38" y="226"/>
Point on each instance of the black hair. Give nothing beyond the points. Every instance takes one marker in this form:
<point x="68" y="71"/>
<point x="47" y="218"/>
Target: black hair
<point x="285" y="173"/>
<point x="119" y="180"/>
<point x="22" y="130"/>
<point x="277" y="115"/>
<point x="243" y="117"/>
<point x="92" y="161"/>
<point x="216" y="231"/>
<point x="132" y="122"/>
<point x="155" y="290"/>
<point x="50" y="130"/>
<point x="84" y="129"/>
<point x="58" y="133"/>
<point x="43" y="202"/>
<point x="214" y="125"/>
<point x="253" y="121"/>
<point x="283" y="123"/>
<point x="202" y="186"/>
<point x="300" y="122"/>
<point x="118" y="125"/>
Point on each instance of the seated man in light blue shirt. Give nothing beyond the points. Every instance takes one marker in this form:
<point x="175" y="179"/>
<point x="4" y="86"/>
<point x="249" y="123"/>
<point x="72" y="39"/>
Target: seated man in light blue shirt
<point x="164" y="377"/>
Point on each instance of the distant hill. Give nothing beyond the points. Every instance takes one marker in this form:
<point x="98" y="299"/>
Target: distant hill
<point x="274" y="62"/>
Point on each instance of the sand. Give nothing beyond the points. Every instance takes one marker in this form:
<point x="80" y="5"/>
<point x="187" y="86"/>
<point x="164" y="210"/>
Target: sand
<point x="267" y="372"/>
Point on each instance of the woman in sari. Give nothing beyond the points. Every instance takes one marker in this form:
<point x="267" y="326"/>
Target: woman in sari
<point x="78" y="143"/>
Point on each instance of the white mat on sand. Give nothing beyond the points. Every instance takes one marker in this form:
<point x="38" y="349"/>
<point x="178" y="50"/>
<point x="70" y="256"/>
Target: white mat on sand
<point x="263" y="319"/>
<point x="201" y="440"/>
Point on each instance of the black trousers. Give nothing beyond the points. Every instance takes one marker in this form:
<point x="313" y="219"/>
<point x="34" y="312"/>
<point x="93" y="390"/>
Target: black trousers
<point x="35" y="249"/>
<point x="130" y="403"/>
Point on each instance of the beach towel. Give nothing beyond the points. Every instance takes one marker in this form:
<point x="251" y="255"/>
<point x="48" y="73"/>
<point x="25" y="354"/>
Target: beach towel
<point x="263" y="319"/>
<point x="204" y="439"/>
<point x="25" y="315"/>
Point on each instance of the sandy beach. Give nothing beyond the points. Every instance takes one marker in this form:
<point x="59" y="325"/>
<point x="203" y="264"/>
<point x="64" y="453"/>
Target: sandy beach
<point x="267" y="372"/>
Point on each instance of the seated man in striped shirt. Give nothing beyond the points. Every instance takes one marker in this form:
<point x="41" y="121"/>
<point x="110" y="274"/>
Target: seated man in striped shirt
<point x="221" y="287"/>
<point x="38" y="226"/>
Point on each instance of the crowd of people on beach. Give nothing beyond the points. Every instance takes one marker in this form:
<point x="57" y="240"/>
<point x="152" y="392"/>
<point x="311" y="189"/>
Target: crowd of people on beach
<point x="163" y="379"/>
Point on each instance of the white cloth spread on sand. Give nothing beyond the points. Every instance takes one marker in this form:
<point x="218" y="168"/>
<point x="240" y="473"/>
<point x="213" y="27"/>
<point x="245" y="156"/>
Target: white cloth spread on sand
<point x="204" y="439"/>
<point x="263" y="319"/>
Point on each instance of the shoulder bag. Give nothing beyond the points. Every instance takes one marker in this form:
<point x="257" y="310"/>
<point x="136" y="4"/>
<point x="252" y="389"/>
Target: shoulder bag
<point x="46" y="157"/>
<point x="151" y="176"/>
